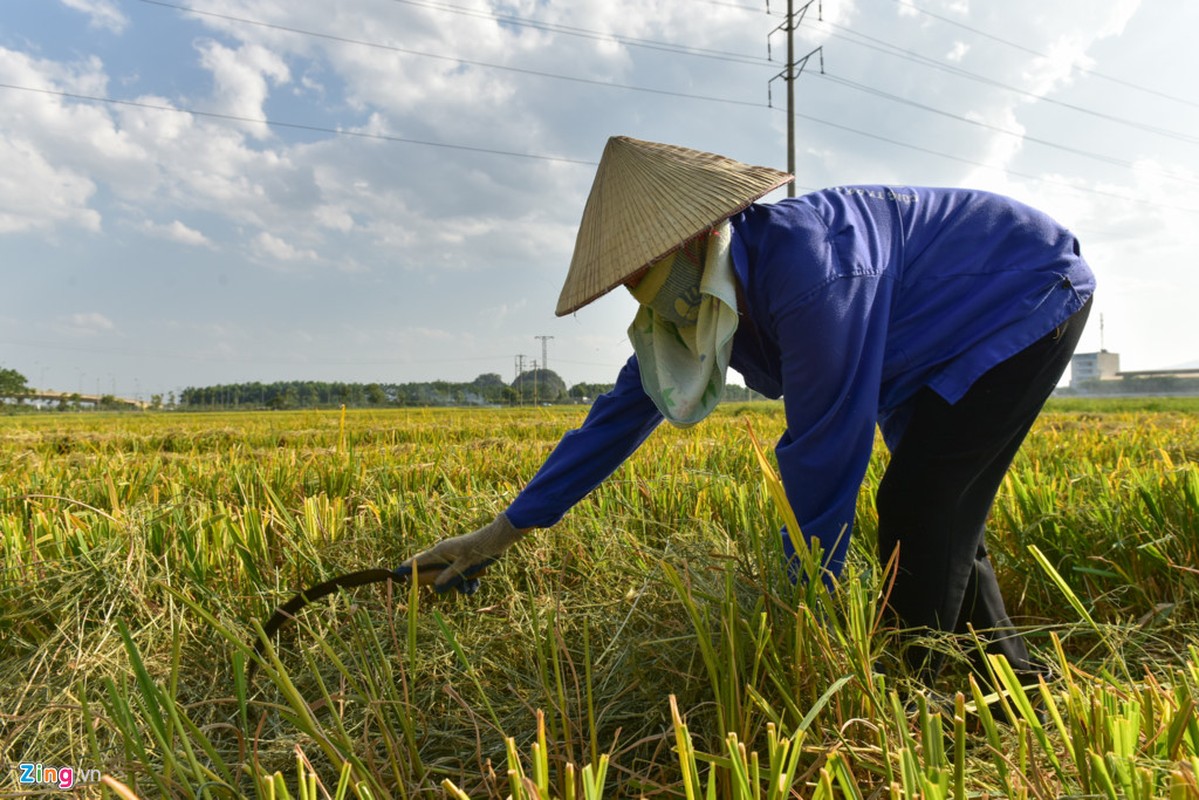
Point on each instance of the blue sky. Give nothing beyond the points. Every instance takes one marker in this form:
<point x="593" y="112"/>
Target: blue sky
<point x="155" y="233"/>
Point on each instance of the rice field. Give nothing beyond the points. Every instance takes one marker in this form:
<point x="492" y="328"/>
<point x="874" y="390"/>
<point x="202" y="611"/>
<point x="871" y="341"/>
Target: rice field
<point x="650" y="645"/>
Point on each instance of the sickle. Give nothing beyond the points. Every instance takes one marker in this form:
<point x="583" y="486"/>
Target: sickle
<point x="467" y="584"/>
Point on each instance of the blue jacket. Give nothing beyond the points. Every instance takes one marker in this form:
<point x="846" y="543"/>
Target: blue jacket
<point x="853" y="298"/>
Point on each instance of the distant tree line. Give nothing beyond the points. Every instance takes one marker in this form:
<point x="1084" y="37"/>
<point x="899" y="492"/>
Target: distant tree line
<point x="533" y="386"/>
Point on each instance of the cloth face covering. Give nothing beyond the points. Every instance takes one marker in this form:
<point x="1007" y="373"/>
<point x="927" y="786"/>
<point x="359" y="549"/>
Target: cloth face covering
<point x="683" y="332"/>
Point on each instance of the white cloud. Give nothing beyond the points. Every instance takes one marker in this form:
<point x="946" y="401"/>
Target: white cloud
<point x="1120" y="13"/>
<point x="103" y="13"/>
<point x="36" y="195"/>
<point x="272" y="248"/>
<point x="1068" y="52"/>
<point x="85" y="324"/>
<point x="178" y="232"/>
<point x="241" y="79"/>
<point x="335" y="218"/>
<point x="1058" y="67"/>
<point x="445" y="239"/>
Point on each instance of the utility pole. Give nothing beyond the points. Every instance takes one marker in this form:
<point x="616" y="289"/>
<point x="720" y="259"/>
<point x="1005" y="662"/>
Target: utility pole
<point x="520" y="370"/>
<point x="792" y="71"/>
<point x="545" y="362"/>
<point x="535" y="398"/>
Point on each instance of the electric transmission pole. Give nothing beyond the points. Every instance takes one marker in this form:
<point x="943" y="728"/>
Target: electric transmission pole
<point x="520" y="370"/>
<point x="792" y="71"/>
<point x="545" y="362"/>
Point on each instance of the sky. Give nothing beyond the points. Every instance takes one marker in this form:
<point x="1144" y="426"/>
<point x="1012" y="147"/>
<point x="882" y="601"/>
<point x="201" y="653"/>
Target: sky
<point x="199" y="192"/>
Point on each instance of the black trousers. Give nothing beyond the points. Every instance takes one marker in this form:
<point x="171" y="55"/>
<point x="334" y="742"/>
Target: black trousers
<point x="937" y="492"/>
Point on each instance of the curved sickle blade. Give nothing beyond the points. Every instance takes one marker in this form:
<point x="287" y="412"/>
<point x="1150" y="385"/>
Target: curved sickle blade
<point x="288" y="610"/>
<point x="468" y="585"/>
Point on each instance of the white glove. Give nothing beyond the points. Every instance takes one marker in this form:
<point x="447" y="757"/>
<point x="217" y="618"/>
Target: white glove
<point x="456" y="561"/>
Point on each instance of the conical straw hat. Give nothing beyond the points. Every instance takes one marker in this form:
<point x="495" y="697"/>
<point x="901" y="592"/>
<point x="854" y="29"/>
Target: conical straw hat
<point x="647" y="199"/>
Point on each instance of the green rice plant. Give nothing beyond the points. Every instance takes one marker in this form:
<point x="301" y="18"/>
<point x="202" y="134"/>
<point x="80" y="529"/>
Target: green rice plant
<point x="588" y="784"/>
<point x="171" y="733"/>
<point x="1115" y="522"/>
<point x="747" y="776"/>
<point x="140" y="551"/>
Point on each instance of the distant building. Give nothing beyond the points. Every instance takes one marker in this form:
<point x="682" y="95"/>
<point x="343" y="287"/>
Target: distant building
<point x="1090" y="367"/>
<point x="1099" y="374"/>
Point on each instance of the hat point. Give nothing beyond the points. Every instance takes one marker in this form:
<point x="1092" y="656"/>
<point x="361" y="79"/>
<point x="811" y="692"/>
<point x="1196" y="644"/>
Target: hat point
<point x="647" y="199"/>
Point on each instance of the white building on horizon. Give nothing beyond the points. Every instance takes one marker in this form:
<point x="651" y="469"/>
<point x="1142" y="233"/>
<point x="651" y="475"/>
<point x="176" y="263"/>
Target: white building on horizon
<point x="1090" y="367"/>
<point x="1099" y="374"/>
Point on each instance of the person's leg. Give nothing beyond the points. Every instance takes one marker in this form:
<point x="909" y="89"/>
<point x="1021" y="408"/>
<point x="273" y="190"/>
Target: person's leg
<point x="983" y="611"/>
<point x="938" y="489"/>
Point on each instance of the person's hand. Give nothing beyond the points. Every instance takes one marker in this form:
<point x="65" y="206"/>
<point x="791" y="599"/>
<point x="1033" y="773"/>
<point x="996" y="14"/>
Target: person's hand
<point x="456" y="562"/>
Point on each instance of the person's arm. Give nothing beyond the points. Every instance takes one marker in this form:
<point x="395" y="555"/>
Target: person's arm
<point x="832" y="347"/>
<point x="617" y="424"/>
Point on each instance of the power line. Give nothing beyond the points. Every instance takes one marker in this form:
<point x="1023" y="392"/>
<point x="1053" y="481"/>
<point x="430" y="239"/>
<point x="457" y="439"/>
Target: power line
<point x="997" y="129"/>
<point x="536" y="156"/>
<point x="842" y="81"/>
<point x="972" y="162"/>
<point x="291" y="361"/>
<point x="454" y="59"/>
<point x="879" y="45"/>
<point x="588" y="33"/>
<point x="790" y="74"/>
<point x="738" y="6"/>
<point x="296" y="125"/>
<point x="1039" y="54"/>
<point x="242" y="359"/>
<point x="560" y="159"/>
<point x="743" y="58"/>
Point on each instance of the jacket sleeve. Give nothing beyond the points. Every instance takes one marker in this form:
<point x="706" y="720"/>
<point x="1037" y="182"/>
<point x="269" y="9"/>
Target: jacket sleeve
<point x="831" y="346"/>
<point x="617" y="424"/>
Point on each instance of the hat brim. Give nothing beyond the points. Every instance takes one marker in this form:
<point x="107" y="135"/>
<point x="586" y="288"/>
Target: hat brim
<point x="647" y="200"/>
